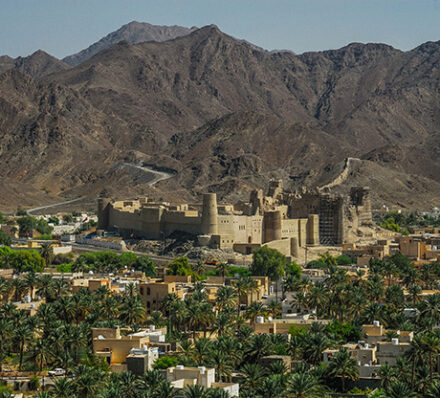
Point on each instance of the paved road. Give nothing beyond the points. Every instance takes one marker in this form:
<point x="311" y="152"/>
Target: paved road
<point x="157" y="176"/>
<point x="30" y="211"/>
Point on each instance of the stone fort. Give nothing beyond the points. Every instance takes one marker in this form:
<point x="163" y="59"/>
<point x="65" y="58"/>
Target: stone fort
<point x="282" y="220"/>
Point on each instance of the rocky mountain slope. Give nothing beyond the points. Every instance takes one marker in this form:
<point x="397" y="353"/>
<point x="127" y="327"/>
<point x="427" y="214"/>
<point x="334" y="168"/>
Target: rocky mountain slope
<point x="228" y="117"/>
<point x="133" y="32"/>
<point x="37" y="65"/>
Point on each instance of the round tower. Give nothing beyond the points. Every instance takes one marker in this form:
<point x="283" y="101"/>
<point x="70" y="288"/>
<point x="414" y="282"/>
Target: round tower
<point x="272" y="225"/>
<point x="209" y="214"/>
<point x="103" y="212"/>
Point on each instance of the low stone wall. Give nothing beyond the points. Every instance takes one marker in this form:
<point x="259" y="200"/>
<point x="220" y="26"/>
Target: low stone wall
<point x="102" y="243"/>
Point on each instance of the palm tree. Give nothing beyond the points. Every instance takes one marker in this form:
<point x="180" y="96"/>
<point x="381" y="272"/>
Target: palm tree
<point x="434" y="390"/>
<point x="387" y="375"/>
<point x="343" y="365"/>
<point x="45" y="287"/>
<point x="289" y="284"/>
<point x="60" y="287"/>
<point x="222" y="269"/>
<point x="226" y="297"/>
<point x="207" y="316"/>
<point x="431" y="345"/>
<point x="304" y="385"/>
<point x="23" y="335"/>
<point x="164" y="390"/>
<point x="416" y="351"/>
<point x="199" y="268"/>
<point x="373" y="312"/>
<point x="222" y="324"/>
<point x="129" y="384"/>
<point x="414" y="292"/>
<point x="87" y="381"/>
<point x="42" y="394"/>
<point x="374" y="288"/>
<point x="196" y="392"/>
<point x="194" y="316"/>
<point x="222" y="364"/>
<point x="31" y="281"/>
<point x="244" y="286"/>
<point x="253" y="375"/>
<point x="274" y="308"/>
<point x="255" y="310"/>
<point x="201" y="351"/>
<point x="40" y="353"/>
<point x="431" y="308"/>
<point x="5" y="335"/>
<point x="152" y="379"/>
<point x="313" y="345"/>
<point x="46" y="251"/>
<point x="389" y="270"/>
<point x="399" y="389"/>
<point x="317" y="297"/>
<point x="110" y="307"/>
<point x="131" y="290"/>
<point x="133" y="310"/>
<point x="258" y="347"/>
<point x="62" y="388"/>
<point x="5" y="289"/>
<point x="19" y="287"/>
<point x="299" y="301"/>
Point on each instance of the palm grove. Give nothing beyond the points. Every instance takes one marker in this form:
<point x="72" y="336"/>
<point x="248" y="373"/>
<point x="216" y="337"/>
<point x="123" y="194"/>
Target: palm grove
<point x="59" y="335"/>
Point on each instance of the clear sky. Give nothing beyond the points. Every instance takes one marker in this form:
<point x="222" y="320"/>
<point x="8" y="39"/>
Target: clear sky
<point x="63" y="27"/>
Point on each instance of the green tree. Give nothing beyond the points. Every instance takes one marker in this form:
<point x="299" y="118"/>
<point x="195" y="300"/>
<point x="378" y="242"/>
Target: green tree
<point x="343" y="366"/>
<point x="181" y="266"/>
<point x="26" y="261"/>
<point x="268" y="262"/>
<point x="304" y="385"/>
<point x="165" y="362"/>
<point x="4" y="239"/>
<point x="146" y="265"/>
<point x="46" y="251"/>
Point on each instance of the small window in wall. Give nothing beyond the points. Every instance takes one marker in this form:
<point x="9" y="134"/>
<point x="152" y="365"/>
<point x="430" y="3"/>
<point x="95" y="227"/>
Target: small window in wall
<point x="148" y="291"/>
<point x="141" y="291"/>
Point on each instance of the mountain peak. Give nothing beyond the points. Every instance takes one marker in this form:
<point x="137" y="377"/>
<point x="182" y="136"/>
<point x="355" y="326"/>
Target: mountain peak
<point x="133" y="32"/>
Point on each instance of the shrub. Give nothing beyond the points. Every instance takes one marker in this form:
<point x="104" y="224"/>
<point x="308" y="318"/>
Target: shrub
<point x="64" y="267"/>
<point x="165" y="362"/>
<point x="344" y="260"/>
<point x="316" y="264"/>
<point x="34" y="383"/>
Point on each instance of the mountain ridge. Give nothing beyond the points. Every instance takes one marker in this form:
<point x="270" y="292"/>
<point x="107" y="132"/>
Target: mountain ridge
<point x="229" y="117"/>
<point x="133" y="32"/>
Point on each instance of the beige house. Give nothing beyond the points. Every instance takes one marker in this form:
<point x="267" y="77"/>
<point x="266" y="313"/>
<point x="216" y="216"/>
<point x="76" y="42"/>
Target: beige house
<point x="115" y="347"/>
<point x="153" y="293"/>
<point x="181" y="376"/>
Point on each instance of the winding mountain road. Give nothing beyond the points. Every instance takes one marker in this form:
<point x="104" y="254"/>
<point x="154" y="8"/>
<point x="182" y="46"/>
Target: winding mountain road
<point x="157" y="176"/>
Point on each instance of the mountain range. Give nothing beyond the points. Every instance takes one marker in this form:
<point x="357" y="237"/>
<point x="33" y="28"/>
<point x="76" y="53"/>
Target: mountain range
<point x="226" y="115"/>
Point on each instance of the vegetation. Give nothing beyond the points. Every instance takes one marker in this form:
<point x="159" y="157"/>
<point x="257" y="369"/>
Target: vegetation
<point x="181" y="266"/>
<point x="217" y="332"/>
<point x="268" y="262"/>
<point x="28" y="223"/>
<point x="21" y="260"/>
<point x="4" y="239"/>
<point x="111" y="262"/>
<point x="400" y="222"/>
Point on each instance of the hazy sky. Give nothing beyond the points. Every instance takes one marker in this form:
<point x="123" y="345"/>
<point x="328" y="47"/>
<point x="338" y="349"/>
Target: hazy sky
<point x="63" y="27"/>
